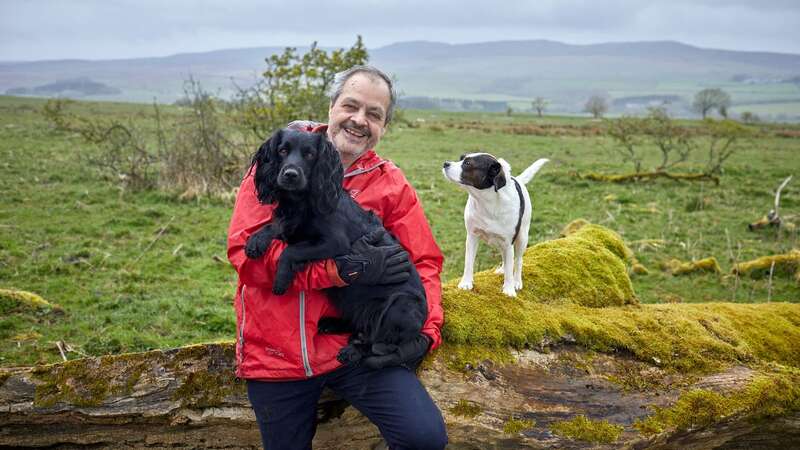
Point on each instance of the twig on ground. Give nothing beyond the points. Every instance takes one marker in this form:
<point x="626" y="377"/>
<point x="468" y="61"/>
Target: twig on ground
<point x="158" y="236"/>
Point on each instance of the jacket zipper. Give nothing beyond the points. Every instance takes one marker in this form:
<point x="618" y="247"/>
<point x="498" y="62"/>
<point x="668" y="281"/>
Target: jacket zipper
<point x="241" y="328"/>
<point x="303" y="343"/>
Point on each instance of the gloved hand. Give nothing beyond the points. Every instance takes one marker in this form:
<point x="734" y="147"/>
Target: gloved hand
<point x="408" y="355"/>
<point x="370" y="265"/>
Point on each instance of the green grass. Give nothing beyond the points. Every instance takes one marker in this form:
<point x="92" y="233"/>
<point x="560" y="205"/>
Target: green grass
<point x="74" y="238"/>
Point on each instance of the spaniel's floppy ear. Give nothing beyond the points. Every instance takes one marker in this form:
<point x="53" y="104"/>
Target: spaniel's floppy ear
<point x="498" y="177"/>
<point x="326" y="178"/>
<point x="267" y="164"/>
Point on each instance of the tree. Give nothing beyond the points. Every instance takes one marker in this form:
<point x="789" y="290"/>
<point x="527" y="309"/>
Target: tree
<point x="749" y="117"/>
<point x="722" y="138"/>
<point x="709" y="99"/>
<point x="627" y="132"/>
<point x="596" y="106"/>
<point x="540" y="104"/>
<point x="673" y="140"/>
<point x="294" y="87"/>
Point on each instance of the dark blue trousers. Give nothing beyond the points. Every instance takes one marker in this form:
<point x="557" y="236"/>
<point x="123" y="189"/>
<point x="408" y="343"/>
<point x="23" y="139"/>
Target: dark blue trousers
<point x="392" y="398"/>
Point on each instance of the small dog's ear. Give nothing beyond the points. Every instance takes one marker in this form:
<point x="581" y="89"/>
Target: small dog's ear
<point x="267" y="165"/>
<point x="498" y="177"/>
<point x="326" y="178"/>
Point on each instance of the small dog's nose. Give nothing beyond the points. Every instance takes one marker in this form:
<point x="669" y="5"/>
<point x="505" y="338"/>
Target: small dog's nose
<point x="446" y="164"/>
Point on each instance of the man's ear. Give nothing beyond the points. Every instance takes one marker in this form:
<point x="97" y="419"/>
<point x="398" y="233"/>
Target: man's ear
<point x="499" y="179"/>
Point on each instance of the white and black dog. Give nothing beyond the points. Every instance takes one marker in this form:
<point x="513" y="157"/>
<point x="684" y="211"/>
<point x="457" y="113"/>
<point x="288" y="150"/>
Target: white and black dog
<point x="498" y="211"/>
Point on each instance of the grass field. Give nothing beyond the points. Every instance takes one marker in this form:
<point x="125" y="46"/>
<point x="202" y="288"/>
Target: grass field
<point x="135" y="271"/>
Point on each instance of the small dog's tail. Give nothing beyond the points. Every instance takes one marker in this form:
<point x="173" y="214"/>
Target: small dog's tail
<point x="528" y="174"/>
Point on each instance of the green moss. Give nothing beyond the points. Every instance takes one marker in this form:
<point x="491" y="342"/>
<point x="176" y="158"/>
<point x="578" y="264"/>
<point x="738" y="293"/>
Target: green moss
<point x="77" y="382"/>
<point x="634" y="376"/>
<point x="583" y="429"/>
<point x="677" y="267"/>
<point x="466" y="409"/>
<point x="205" y="389"/>
<point x="771" y="395"/>
<point x="573" y="226"/>
<point x="463" y="357"/>
<point x="4" y="375"/>
<point x="578" y="287"/>
<point x="684" y="337"/>
<point x="788" y="263"/>
<point x="22" y="301"/>
<point x="91" y="381"/>
<point x="514" y="426"/>
<point x="768" y="395"/>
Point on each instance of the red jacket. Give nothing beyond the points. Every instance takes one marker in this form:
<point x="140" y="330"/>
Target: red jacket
<point x="276" y="335"/>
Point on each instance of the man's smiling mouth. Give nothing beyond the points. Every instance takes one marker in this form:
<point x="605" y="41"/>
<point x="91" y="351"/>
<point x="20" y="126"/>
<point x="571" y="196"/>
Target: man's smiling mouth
<point x="355" y="133"/>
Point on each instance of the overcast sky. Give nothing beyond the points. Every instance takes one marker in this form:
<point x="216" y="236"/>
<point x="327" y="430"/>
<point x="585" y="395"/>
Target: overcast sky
<point x="103" y="29"/>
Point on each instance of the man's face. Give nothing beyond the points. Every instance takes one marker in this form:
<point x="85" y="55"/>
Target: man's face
<point x="357" y="119"/>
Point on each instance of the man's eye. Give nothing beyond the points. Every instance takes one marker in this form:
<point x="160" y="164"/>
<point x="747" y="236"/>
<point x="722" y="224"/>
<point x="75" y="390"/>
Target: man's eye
<point x="376" y="116"/>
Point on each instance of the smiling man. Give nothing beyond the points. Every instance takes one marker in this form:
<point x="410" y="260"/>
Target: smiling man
<point x="280" y="352"/>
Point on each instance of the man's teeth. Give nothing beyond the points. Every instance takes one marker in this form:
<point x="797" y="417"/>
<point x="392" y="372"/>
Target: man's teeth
<point x="354" y="133"/>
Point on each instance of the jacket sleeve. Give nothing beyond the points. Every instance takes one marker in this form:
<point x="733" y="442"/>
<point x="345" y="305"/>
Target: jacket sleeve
<point x="248" y="217"/>
<point x="406" y="220"/>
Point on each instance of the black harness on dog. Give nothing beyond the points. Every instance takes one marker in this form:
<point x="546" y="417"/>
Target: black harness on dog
<point x="521" y="209"/>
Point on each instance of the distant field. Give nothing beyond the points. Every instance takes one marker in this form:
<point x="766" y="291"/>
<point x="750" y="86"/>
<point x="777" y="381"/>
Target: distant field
<point x="77" y="240"/>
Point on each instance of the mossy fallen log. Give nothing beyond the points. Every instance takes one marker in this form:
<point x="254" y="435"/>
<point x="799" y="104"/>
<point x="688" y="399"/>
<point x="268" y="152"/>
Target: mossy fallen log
<point x="640" y="176"/>
<point x="561" y="366"/>
<point x="15" y="301"/>
<point x="677" y="267"/>
<point x="787" y="263"/>
<point x="567" y="397"/>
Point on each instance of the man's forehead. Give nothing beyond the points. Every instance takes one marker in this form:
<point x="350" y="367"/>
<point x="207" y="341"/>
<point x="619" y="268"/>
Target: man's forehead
<point x="363" y="87"/>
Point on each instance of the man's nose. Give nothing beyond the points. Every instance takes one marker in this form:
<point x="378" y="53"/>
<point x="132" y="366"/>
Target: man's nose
<point x="359" y="117"/>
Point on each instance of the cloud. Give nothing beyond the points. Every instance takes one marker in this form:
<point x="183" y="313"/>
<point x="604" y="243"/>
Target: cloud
<point x="39" y="29"/>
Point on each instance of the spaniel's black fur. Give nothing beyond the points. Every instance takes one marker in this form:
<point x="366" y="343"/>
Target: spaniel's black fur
<point x="302" y="172"/>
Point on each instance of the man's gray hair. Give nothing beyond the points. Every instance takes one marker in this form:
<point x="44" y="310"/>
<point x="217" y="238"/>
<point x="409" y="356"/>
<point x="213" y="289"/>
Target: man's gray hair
<point x="341" y="78"/>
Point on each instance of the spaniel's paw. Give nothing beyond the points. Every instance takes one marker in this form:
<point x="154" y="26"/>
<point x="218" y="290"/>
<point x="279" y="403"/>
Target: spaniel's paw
<point x="349" y="355"/>
<point x="255" y="247"/>
<point x="465" y="285"/>
<point x="281" y="285"/>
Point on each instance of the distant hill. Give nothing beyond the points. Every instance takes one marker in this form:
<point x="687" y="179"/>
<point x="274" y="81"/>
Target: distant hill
<point x="632" y="75"/>
<point x="76" y="87"/>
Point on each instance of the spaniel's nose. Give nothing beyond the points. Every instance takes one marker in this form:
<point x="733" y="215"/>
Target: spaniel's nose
<point x="446" y="164"/>
<point x="291" y="174"/>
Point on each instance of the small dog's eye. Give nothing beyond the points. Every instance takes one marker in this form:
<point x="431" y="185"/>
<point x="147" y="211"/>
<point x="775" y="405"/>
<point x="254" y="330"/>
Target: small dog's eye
<point x="466" y="162"/>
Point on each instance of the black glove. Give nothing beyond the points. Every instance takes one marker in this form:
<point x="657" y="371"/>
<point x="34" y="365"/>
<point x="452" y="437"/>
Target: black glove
<point x="408" y="355"/>
<point x="370" y="265"/>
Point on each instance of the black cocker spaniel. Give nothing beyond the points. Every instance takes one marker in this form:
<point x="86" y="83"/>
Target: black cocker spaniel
<point x="302" y="172"/>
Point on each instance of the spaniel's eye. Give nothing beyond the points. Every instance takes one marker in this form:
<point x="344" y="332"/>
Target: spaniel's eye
<point x="308" y="155"/>
<point x="283" y="151"/>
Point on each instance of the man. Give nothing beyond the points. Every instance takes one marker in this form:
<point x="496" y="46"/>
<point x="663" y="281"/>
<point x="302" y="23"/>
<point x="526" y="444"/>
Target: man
<point x="285" y="361"/>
